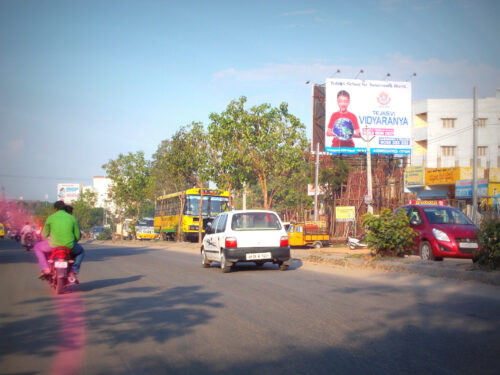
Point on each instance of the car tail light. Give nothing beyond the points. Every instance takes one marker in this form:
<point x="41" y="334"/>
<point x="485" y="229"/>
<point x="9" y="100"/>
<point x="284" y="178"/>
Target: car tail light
<point x="231" y="242"/>
<point x="284" y="241"/>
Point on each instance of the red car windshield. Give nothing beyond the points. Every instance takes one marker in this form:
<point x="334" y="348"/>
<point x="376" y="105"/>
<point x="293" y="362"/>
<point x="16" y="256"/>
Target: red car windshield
<point x="446" y="215"/>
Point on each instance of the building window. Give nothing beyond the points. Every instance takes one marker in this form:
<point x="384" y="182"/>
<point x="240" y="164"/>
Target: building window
<point x="482" y="150"/>
<point x="481" y="122"/>
<point x="447" y="151"/>
<point x="448" y="123"/>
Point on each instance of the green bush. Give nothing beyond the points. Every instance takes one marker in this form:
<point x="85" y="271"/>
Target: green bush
<point x="489" y="244"/>
<point x="389" y="234"/>
<point x="105" y="234"/>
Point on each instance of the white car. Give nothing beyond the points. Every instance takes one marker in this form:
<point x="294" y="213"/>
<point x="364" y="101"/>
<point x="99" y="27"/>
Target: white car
<point x="246" y="236"/>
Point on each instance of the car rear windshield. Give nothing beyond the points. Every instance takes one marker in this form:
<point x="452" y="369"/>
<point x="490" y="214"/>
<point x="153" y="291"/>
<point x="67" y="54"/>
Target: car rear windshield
<point x="446" y="215"/>
<point x="255" y="221"/>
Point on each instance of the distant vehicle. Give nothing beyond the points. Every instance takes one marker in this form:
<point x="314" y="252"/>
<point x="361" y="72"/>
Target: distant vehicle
<point x="123" y="230"/>
<point x="168" y="209"/>
<point x="443" y="232"/>
<point x="309" y="233"/>
<point x="245" y="236"/>
<point x="96" y="231"/>
<point x="356" y="243"/>
<point x="2" y="231"/>
<point x="145" y="229"/>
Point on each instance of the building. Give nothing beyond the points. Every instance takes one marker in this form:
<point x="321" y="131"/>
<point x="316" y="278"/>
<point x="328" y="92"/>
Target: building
<point x="442" y="133"/>
<point x="441" y="164"/>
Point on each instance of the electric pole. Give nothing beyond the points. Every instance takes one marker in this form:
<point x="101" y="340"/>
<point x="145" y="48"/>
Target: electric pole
<point x="474" y="159"/>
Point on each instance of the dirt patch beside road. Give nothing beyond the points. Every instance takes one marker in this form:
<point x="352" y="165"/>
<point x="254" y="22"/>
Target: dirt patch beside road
<point x="458" y="269"/>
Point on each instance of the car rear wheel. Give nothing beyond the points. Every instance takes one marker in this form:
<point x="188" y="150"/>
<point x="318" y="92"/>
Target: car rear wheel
<point x="225" y="268"/>
<point x="204" y="262"/>
<point x="317" y="245"/>
<point x="426" y="251"/>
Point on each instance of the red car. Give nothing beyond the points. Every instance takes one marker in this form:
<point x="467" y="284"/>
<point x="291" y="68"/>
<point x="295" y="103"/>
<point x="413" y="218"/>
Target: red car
<point x="443" y="232"/>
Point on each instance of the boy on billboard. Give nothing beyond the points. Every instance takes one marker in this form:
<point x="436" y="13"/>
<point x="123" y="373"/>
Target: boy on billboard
<point x="343" y="125"/>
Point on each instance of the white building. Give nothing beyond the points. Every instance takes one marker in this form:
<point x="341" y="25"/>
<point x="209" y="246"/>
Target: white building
<point x="443" y="133"/>
<point x="102" y="187"/>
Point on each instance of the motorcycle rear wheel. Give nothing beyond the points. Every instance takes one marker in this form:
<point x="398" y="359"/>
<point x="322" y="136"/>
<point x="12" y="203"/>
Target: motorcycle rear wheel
<point x="59" y="285"/>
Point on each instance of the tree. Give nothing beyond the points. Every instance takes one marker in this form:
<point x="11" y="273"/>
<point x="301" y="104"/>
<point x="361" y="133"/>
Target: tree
<point x="131" y="176"/>
<point x="83" y="207"/>
<point x="266" y="144"/>
<point x="185" y="156"/>
<point x="333" y="174"/>
<point x="167" y="179"/>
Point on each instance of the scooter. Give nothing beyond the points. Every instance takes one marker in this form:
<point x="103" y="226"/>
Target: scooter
<point x="29" y="242"/>
<point x="355" y="243"/>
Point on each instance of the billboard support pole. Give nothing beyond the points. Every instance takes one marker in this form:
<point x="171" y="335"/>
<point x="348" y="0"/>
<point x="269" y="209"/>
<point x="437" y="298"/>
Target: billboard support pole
<point x="316" y="184"/>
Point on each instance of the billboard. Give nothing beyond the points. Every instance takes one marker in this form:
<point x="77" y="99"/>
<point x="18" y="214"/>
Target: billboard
<point x="357" y="108"/>
<point x="68" y="192"/>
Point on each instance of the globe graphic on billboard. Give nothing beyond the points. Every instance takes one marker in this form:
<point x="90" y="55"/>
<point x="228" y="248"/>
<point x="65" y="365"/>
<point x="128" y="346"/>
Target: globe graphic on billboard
<point x="343" y="129"/>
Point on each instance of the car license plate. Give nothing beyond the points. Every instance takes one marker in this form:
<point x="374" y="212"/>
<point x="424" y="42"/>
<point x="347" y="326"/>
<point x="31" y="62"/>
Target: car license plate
<point x="468" y="245"/>
<point x="256" y="256"/>
<point x="61" y="264"/>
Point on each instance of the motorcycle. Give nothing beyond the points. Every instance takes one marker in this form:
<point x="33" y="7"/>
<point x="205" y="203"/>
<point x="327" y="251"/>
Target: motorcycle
<point x="355" y="243"/>
<point x="29" y="241"/>
<point x="60" y="263"/>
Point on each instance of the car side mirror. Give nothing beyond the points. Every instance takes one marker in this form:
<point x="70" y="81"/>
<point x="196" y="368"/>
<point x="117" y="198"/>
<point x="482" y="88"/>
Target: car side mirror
<point x="209" y="228"/>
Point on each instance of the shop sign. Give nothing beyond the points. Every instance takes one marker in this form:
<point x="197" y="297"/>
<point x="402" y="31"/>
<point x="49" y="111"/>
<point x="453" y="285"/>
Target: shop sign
<point x="345" y="213"/>
<point x="463" y="188"/>
<point x="439" y="202"/>
<point x="494" y="175"/>
<point x="441" y="176"/>
<point x="414" y="176"/>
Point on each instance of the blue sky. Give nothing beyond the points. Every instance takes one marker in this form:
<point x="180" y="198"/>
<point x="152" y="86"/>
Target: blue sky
<point x="83" y="81"/>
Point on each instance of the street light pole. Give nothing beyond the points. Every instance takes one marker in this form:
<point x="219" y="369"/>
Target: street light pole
<point x="369" y="194"/>
<point x="316" y="184"/>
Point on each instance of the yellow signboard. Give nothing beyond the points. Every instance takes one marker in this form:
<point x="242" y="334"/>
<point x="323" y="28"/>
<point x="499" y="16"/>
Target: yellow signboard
<point x="467" y="173"/>
<point x="448" y="176"/>
<point x="414" y="176"/>
<point x="345" y="213"/>
<point x="494" y="175"/>
<point x="441" y="176"/>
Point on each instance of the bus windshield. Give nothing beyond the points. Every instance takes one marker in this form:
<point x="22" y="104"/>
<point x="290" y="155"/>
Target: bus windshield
<point x="212" y="206"/>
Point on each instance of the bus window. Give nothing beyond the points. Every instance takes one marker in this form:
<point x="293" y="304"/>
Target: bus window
<point x="218" y="205"/>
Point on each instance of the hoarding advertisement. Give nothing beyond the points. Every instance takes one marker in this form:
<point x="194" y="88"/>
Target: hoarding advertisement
<point x="380" y="108"/>
<point x="68" y="192"/>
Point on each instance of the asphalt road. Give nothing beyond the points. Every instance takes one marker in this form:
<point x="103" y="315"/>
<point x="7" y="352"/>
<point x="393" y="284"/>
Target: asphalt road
<point x="142" y="310"/>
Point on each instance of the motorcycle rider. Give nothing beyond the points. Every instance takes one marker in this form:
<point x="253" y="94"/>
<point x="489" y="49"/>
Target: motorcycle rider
<point x="62" y="229"/>
<point x="27" y="229"/>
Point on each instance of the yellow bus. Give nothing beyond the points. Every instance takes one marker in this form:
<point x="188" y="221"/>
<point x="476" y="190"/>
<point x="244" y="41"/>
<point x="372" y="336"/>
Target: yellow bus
<point x="168" y="207"/>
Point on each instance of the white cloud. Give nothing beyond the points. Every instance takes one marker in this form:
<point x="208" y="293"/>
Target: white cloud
<point x="435" y="77"/>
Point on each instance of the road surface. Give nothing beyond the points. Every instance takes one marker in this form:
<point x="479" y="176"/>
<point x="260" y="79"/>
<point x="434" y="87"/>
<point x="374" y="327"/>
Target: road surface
<point x="140" y="310"/>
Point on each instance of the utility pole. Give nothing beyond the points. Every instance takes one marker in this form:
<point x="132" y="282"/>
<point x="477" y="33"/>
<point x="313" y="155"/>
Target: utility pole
<point x="369" y="194"/>
<point x="316" y="184"/>
<point x="474" y="158"/>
